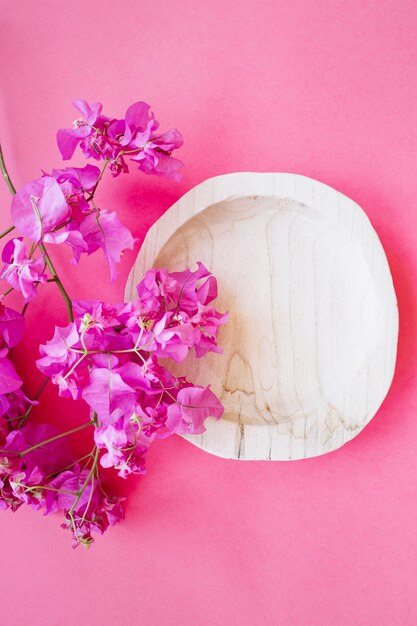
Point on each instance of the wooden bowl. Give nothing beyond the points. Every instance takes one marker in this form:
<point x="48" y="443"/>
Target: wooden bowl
<point x="310" y="348"/>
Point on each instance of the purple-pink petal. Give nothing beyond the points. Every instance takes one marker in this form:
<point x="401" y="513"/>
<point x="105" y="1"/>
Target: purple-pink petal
<point x="38" y="207"/>
<point x="9" y="380"/>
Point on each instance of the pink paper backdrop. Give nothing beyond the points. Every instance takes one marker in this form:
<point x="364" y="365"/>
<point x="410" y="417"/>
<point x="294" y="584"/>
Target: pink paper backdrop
<point x="326" y="88"/>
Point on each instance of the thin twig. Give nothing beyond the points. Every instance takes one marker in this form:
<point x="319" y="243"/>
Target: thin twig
<point x="57" y="281"/>
<point x="5" y="173"/>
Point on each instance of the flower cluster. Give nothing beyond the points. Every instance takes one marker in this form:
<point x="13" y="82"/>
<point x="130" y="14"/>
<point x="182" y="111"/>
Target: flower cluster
<point x="109" y="357"/>
<point x="35" y="459"/>
<point x="37" y="469"/>
<point x="12" y="399"/>
<point x="110" y="139"/>
<point x="113" y="357"/>
<point x="60" y="207"/>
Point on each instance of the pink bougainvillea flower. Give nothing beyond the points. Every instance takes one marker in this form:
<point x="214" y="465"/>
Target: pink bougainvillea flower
<point x="107" y="391"/>
<point x="127" y="134"/>
<point x="83" y="128"/>
<point x="193" y="405"/>
<point x="87" y="233"/>
<point x="14" y="404"/>
<point x="101" y="137"/>
<point x="207" y="322"/>
<point x="109" y="357"/>
<point x="82" y="178"/>
<point x="174" y="340"/>
<point x="113" y="440"/>
<point x="137" y="127"/>
<point x="97" y="315"/>
<point x="92" y="133"/>
<point x="20" y="271"/>
<point x="179" y="290"/>
<point x="56" y="354"/>
<point x="107" y="232"/>
<point x="12" y="325"/>
<point x="9" y="380"/>
<point x="38" y="207"/>
<point x="35" y="466"/>
<point x="74" y="182"/>
<point x="188" y="292"/>
<point x="102" y="230"/>
<point x="89" y="512"/>
<point x="155" y="157"/>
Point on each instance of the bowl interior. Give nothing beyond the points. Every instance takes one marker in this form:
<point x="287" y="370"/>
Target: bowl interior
<point x="305" y="314"/>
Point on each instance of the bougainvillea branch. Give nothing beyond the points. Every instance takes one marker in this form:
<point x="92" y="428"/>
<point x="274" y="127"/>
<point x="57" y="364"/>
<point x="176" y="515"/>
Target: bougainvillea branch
<point x="108" y="356"/>
<point x="55" y="278"/>
<point x="8" y="182"/>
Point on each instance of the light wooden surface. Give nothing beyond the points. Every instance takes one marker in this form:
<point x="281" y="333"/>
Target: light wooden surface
<point x="309" y="352"/>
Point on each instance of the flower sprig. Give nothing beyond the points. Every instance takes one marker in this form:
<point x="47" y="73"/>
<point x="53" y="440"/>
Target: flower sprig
<point x="108" y="355"/>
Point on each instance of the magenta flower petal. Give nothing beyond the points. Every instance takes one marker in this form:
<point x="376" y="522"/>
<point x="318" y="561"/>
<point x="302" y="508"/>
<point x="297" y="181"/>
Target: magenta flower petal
<point x="139" y="123"/>
<point x="38" y="207"/>
<point x="12" y="325"/>
<point x="106" y="391"/>
<point x="83" y="178"/>
<point x="168" y="141"/>
<point x="20" y="271"/>
<point x="194" y="405"/>
<point x="69" y="138"/>
<point x="9" y="380"/>
<point x="56" y="354"/>
<point x="138" y="115"/>
<point x="90" y="113"/>
<point x="105" y="231"/>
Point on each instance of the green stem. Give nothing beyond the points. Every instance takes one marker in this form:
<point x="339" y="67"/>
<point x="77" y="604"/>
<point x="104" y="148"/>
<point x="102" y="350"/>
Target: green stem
<point x="76" y="364"/>
<point x="57" y="281"/>
<point x="23" y="418"/>
<point x="42" y="487"/>
<point x="103" y="169"/>
<point x="7" y="231"/>
<point x="41" y="246"/>
<point x="81" y="491"/>
<point x="5" y="173"/>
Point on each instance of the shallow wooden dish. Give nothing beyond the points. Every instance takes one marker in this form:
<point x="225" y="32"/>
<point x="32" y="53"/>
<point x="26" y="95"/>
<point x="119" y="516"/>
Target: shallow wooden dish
<point x="309" y="352"/>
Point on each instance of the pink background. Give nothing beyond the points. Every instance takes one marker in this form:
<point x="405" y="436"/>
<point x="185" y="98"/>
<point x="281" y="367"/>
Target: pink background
<point x="326" y="88"/>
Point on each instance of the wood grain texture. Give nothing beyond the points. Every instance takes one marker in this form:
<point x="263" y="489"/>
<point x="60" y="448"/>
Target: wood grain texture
<point x="310" y="349"/>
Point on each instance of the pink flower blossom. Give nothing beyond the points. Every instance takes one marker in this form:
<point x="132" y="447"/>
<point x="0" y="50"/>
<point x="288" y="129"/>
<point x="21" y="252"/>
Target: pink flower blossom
<point x="20" y="271"/>
<point x="44" y="477"/>
<point x="12" y="325"/>
<point x="74" y="183"/>
<point x="56" y="354"/>
<point x="107" y="138"/>
<point x="106" y="391"/>
<point x="87" y="513"/>
<point x="19" y="472"/>
<point x="109" y="357"/>
<point x="83" y="131"/>
<point x="136" y="129"/>
<point x="155" y="157"/>
<point x="192" y="406"/>
<point x="55" y="209"/>
<point x="9" y="380"/>
<point x="39" y="207"/>
<point x="14" y="404"/>
<point x="102" y="230"/>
